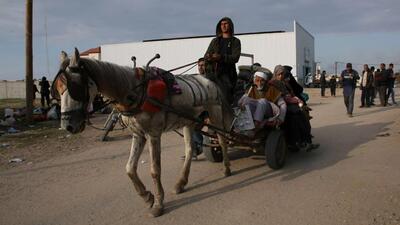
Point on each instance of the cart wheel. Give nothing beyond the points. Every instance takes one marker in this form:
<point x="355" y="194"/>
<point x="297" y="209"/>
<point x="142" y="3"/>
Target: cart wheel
<point x="212" y="154"/>
<point x="275" y="149"/>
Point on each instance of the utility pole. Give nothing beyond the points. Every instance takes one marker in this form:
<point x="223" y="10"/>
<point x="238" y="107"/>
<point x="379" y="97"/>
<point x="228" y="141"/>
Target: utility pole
<point x="336" y="68"/>
<point x="28" y="63"/>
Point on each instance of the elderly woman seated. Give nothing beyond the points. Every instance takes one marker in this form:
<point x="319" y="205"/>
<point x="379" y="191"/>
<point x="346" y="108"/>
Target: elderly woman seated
<point x="297" y="126"/>
<point x="265" y="102"/>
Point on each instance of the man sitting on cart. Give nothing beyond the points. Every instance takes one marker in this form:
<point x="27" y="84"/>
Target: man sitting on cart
<point x="265" y="102"/>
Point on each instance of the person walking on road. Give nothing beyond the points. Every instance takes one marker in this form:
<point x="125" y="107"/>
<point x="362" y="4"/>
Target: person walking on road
<point x="349" y="79"/>
<point x="332" y="85"/>
<point x="381" y="78"/>
<point x="323" y="83"/>
<point x="365" y="86"/>
<point x="391" y="80"/>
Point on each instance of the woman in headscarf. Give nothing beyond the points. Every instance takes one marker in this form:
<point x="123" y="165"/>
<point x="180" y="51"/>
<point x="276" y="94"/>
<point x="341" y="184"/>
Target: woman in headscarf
<point x="297" y="127"/>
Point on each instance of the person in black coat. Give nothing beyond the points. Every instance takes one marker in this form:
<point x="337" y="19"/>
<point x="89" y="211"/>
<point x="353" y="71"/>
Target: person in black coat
<point x="332" y="85"/>
<point x="45" y="91"/>
<point x="323" y="83"/>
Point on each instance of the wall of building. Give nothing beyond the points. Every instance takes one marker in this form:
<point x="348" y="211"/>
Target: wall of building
<point x="305" y="53"/>
<point x="269" y="49"/>
<point x="173" y="53"/>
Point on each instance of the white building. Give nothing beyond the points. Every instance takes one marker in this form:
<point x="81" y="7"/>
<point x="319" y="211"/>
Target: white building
<point x="93" y="53"/>
<point x="269" y="49"/>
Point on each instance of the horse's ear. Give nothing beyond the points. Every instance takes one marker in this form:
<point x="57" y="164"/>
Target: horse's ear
<point x="77" y="54"/>
<point x="63" y="56"/>
<point x="64" y="60"/>
<point x="74" y="62"/>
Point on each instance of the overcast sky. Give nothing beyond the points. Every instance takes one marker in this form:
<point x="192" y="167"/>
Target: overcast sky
<point x="358" y="31"/>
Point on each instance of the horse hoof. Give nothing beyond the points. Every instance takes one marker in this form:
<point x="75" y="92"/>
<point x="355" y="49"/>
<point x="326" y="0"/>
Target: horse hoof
<point x="227" y="173"/>
<point x="156" y="211"/>
<point x="150" y="201"/>
<point x="179" y="189"/>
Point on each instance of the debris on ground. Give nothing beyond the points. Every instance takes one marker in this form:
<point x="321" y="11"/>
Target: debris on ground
<point x="16" y="160"/>
<point x="4" y="145"/>
<point x="12" y="130"/>
<point x="9" y="119"/>
<point x="383" y="135"/>
<point x="53" y="113"/>
<point x="38" y="111"/>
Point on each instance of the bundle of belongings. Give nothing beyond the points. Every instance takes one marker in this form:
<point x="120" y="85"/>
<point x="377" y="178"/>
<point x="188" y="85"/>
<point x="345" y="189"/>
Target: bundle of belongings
<point x="9" y="119"/>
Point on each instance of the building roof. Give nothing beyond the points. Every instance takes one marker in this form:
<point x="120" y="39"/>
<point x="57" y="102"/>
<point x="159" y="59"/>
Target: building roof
<point x="91" y="51"/>
<point x="207" y="36"/>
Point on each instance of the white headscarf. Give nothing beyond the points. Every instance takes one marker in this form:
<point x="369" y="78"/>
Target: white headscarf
<point x="260" y="74"/>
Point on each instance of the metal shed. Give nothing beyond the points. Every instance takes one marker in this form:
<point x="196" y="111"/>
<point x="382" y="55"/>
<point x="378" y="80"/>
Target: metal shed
<point x="270" y="48"/>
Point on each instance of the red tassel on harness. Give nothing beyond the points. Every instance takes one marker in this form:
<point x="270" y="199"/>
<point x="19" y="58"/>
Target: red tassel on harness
<point x="156" y="89"/>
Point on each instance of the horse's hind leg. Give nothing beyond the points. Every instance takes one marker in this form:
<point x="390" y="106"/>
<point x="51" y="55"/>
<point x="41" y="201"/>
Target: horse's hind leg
<point x="224" y="147"/>
<point x="220" y="118"/>
<point x="183" y="180"/>
<point x="155" y="155"/>
<point x="138" y="143"/>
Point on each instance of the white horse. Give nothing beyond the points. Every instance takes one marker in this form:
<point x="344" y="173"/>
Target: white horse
<point x="77" y="83"/>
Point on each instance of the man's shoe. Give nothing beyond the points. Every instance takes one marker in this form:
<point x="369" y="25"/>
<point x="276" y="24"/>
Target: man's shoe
<point x="311" y="146"/>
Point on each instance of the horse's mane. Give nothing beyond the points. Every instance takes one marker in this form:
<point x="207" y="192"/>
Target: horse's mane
<point x="106" y="69"/>
<point x="112" y="80"/>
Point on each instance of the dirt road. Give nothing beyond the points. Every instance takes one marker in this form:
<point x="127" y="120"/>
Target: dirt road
<point x="353" y="178"/>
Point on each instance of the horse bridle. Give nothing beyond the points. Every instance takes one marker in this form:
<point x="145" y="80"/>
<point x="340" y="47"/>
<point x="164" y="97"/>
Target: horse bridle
<point x="76" y="96"/>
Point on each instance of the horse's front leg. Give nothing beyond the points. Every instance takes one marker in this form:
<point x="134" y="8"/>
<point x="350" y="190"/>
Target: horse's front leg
<point x="224" y="147"/>
<point x="183" y="180"/>
<point x="137" y="147"/>
<point x="155" y="155"/>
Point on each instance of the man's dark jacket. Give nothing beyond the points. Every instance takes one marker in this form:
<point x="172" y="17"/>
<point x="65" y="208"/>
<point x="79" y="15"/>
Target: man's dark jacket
<point x="226" y="65"/>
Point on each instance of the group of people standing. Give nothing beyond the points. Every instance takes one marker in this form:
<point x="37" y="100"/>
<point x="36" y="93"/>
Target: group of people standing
<point x="332" y="84"/>
<point x="373" y="82"/>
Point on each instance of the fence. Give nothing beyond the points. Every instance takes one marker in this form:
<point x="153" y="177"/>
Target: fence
<point x="14" y="89"/>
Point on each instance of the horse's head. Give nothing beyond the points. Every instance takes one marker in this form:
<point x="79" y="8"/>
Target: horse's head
<point x="76" y="90"/>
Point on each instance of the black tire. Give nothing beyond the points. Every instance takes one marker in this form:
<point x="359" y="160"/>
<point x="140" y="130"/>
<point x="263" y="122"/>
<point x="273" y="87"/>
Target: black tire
<point x="212" y="154"/>
<point x="275" y="149"/>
